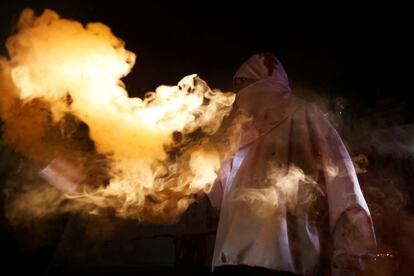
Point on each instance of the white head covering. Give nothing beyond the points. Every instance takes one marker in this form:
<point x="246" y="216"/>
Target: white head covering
<point x="265" y="67"/>
<point x="267" y="99"/>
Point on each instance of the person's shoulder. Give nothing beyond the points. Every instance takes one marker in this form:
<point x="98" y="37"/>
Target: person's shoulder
<point x="305" y="105"/>
<point x="310" y="111"/>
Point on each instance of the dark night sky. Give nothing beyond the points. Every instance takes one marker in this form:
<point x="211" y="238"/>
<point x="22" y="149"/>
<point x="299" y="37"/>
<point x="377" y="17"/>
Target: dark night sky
<point x="356" y="51"/>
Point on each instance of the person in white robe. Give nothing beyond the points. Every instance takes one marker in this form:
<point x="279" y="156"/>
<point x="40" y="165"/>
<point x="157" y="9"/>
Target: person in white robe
<point x="292" y="174"/>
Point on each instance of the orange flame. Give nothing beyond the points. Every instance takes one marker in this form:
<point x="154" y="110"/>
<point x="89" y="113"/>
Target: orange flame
<point x="75" y="69"/>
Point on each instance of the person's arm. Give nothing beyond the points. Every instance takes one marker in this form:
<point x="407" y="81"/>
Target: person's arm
<point x="351" y="227"/>
<point x="353" y="241"/>
<point x="216" y="194"/>
<point x="217" y="191"/>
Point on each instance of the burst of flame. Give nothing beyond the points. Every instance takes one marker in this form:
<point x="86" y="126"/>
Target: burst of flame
<point x="76" y="69"/>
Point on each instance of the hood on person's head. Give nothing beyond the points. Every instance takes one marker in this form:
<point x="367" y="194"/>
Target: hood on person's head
<point x="263" y="67"/>
<point x="264" y="90"/>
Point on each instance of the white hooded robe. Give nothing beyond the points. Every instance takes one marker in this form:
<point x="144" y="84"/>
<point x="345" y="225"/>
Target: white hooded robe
<point x="291" y="174"/>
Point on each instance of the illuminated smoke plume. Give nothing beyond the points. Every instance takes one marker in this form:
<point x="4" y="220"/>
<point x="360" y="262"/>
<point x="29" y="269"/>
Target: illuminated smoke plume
<point x="157" y="152"/>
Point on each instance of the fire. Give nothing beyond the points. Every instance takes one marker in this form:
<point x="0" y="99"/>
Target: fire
<point x="74" y="69"/>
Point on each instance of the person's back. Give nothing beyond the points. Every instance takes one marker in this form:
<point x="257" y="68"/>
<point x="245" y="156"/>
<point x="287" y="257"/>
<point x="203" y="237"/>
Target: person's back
<point x="291" y="175"/>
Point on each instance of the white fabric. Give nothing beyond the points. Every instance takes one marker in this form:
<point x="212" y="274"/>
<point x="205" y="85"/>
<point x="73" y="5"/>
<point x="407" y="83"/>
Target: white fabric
<point x="264" y="67"/>
<point x="271" y="214"/>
